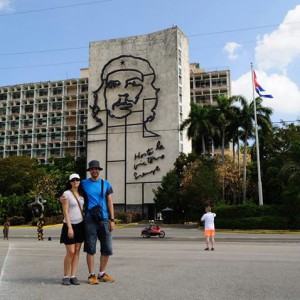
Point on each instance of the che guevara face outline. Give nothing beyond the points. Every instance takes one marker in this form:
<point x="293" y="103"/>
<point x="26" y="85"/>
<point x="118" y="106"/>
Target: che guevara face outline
<point x="122" y="92"/>
<point x="127" y="86"/>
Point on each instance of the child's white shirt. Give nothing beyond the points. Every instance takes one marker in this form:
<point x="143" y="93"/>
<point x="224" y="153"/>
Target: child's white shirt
<point x="209" y="219"/>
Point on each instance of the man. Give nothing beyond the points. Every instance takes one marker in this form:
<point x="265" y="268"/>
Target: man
<point x="98" y="193"/>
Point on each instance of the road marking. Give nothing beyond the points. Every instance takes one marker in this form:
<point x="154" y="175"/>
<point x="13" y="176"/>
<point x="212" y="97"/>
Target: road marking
<point x="4" y="263"/>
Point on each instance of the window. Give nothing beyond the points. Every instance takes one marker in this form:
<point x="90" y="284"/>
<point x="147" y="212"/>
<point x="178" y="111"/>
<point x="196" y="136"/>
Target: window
<point x="14" y="124"/>
<point x="84" y="88"/>
<point x="15" y="109"/>
<point x="29" y="94"/>
<point x="180" y="75"/>
<point x="28" y="123"/>
<point x="179" y="57"/>
<point x="28" y="108"/>
<point x="43" y="92"/>
<point x="43" y="107"/>
<point x="16" y="95"/>
<point x="27" y="138"/>
<point x="57" y="106"/>
<point x="42" y="122"/>
<point x="179" y="41"/>
<point x="3" y="96"/>
<point x="57" y="91"/>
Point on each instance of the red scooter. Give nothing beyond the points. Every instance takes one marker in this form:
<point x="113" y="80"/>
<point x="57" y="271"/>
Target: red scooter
<point x="152" y="231"/>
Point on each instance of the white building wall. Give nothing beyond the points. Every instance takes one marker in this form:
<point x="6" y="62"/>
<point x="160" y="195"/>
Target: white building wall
<point x="134" y="151"/>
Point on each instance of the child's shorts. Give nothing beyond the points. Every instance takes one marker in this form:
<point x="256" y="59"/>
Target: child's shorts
<point x="209" y="232"/>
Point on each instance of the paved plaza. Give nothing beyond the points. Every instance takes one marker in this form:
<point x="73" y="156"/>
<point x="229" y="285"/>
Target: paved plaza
<point x="244" y="266"/>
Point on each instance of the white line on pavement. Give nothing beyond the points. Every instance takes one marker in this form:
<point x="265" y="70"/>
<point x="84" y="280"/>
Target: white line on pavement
<point x="4" y="263"/>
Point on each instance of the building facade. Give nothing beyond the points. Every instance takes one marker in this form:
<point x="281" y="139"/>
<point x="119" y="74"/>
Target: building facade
<point x="44" y="119"/>
<point x="206" y="85"/>
<point x="138" y="95"/>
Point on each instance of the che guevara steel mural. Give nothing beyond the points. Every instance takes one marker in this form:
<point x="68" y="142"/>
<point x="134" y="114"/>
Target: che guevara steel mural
<point x="128" y="88"/>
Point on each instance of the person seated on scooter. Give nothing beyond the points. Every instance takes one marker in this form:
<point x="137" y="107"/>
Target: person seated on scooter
<point x="152" y="225"/>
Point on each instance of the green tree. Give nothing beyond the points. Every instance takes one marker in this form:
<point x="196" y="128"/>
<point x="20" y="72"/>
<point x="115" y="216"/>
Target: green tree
<point x="199" y="126"/>
<point x="22" y="178"/>
<point x="18" y="175"/>
<point x="222" y="116"/>
<point x="200" y="186"/>
<point x="169" y="193"/>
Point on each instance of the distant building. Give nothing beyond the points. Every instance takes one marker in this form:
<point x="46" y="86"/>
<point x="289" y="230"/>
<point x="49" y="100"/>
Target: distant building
<point x="44" y="119"/>
<point x="206" y="85"/>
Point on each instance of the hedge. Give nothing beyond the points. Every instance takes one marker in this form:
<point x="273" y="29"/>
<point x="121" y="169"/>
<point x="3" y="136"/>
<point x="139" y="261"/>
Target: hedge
<point x="252" y="216"/>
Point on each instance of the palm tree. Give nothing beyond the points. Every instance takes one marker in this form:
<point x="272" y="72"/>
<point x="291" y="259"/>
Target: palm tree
<point x="246" y="121"/>
<point x="222" y="117"/>
<point x="198" y="126"/>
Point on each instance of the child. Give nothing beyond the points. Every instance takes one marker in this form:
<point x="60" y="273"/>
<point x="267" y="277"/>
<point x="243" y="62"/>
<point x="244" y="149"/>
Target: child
<point x="209" y="227"/>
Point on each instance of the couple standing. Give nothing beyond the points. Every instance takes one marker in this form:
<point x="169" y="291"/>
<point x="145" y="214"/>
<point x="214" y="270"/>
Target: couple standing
<point x="77" y="228"/>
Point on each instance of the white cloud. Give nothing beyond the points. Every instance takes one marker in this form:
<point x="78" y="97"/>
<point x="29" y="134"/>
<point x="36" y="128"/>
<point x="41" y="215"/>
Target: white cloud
<point x="276" y="55"/>
<point x="232" y="49"/>
<point x="5" y="5"/>
<point x="280" y="48"/>
<point x="286" y="101"/>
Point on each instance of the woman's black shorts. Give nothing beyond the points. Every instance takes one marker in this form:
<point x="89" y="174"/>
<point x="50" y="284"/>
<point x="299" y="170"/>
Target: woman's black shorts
<point x="78" y="234"/>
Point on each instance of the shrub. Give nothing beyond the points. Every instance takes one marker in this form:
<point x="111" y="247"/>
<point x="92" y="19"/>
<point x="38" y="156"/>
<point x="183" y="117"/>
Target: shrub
<point x="53" y="220"/>
<point x="251" y="216"/>
<point x="265" y="222"/>
<point x="248" y="210"/>
<point x="16" y="220"/>
<point x="128" y="217"/>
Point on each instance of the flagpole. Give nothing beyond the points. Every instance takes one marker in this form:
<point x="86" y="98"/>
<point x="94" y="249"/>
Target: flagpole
<point x="260" y="195"/>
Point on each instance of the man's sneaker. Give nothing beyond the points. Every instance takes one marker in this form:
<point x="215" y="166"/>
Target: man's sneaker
<point x="105" y="278"/>
<point x="74" y="280"/>
<point x="65" y="281"/>
<point x="92" y="279"/>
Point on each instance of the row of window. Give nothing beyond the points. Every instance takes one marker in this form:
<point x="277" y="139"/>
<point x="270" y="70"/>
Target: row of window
<point x="208" y="83"/>
<point x="29" y="108"/>
<point x="44" y="92"/>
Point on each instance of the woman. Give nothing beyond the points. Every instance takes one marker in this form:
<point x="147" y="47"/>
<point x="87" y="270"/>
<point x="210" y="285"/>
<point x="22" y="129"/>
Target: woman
<point x="72" y="234"/>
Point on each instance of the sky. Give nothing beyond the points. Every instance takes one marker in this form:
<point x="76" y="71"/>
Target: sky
<point x="49" y="40"/>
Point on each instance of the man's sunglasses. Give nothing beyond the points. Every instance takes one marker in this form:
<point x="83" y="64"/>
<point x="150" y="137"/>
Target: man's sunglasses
<point x="75" y="179"/>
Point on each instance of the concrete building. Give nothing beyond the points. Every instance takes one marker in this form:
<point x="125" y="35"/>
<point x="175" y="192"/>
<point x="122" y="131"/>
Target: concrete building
<point x="138" y="95"/>
<point x="44" y="119"/>
<point x="206" y="85"/>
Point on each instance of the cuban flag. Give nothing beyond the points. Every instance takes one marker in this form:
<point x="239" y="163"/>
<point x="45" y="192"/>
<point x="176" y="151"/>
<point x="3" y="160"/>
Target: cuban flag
<point x="259" y="90"/>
